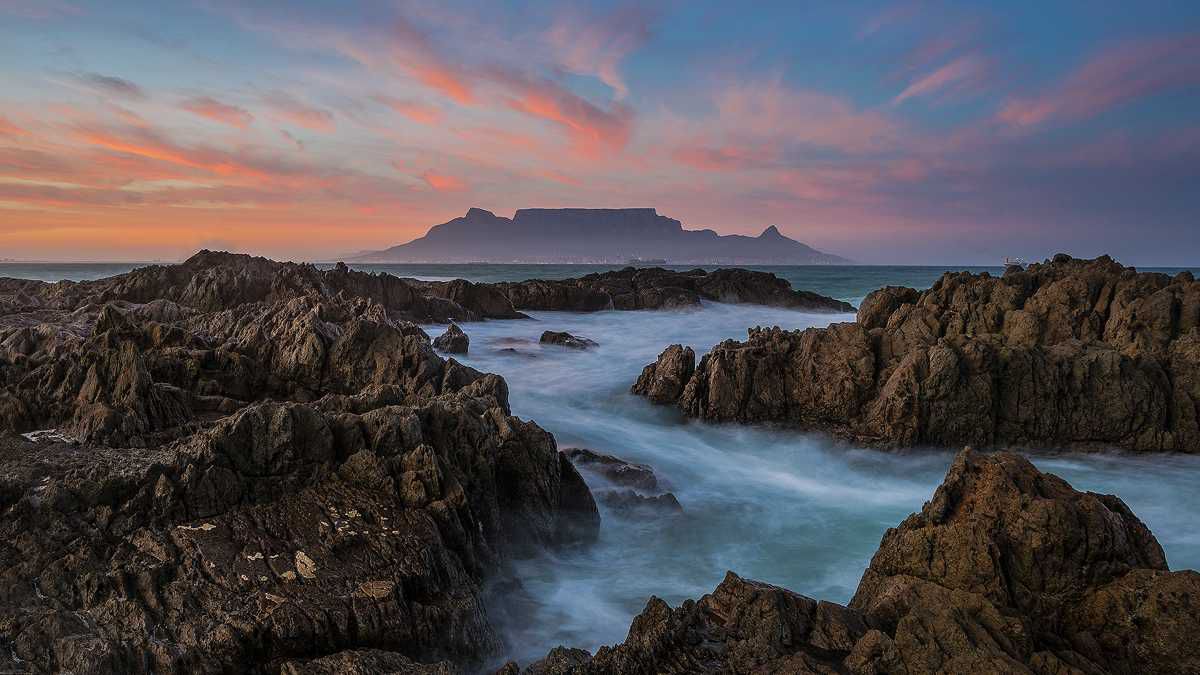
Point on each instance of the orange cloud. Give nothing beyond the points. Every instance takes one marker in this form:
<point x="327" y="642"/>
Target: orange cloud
<point x="7" y="128"/>
<point x="591" y="130"/>
<point x="147" y="145"/>
<point x="414" y="52"/>
<point x="413" y="110"/>
<point x="216" y="111"/>
<point x="443" y="182"/>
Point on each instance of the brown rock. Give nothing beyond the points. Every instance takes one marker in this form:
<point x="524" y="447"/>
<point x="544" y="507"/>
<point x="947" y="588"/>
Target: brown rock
<point x="663" y="381"/>
<point x="453" y="341"/>
<point x="1068" y="353"/>
<point x="258" y="467"/>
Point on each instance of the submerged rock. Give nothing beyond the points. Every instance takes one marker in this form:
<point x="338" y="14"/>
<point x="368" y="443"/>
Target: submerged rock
<point x="453" y="341"/>
<point x="564" y="339"/>
<point x="631" y="502"/>
<point x="657" y="288"/>
<point x="1007" y="569"/>
<point x="1068" y="353"/>
<point x="614" y="469"/>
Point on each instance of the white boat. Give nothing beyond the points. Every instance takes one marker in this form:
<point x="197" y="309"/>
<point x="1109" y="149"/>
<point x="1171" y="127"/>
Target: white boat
<point x="1014" y="262"/>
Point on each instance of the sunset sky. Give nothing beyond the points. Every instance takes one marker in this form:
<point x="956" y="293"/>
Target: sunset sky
<point x="905" y="132"/>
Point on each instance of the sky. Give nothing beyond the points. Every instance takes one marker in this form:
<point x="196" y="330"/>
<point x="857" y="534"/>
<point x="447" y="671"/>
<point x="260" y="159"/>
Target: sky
<point x="912" y="131"/>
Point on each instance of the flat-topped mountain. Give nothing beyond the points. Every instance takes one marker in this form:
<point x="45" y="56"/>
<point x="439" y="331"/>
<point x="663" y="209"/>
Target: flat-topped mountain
<point x="593" y="235"/>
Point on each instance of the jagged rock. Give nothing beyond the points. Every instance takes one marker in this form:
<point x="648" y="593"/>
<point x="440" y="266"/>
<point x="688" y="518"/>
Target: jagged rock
<point x="663" y="381"/>
<point x="564" y="339"/>
<point x="261" y="469"/>
<point x="136" y="381"/>
<point x="1005" y="570"/>
<point x="614" y="469"/>
<point x="212" y="281"/>
<point x="453" y="341"/>
<point x="364" y="662"/>
<point x="284" y="531"/>
<point x="657" y="288"/>
<point x="631" y="502"/>
<point x="1068" y="353"/>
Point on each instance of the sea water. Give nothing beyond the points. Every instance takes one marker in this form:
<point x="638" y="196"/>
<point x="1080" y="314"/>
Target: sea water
<point x="802" y="511"/>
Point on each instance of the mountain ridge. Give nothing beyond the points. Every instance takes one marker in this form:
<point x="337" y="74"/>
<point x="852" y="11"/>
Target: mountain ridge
<point x="577" y="235"/>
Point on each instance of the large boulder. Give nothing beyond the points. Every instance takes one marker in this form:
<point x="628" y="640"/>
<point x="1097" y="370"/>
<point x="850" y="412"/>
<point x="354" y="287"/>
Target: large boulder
<point x="1067" y="354"/>
<point x="565" y="339"/>
<point x="1006" y="570"/>
<point x="453" y="341"/>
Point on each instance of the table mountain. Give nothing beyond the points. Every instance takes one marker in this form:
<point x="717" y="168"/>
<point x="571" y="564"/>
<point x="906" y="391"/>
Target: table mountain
<point x="593" y="235"/>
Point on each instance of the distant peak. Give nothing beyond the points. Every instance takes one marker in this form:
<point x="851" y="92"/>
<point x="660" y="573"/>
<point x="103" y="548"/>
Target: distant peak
<point x="475" y="212"/>
<point x="771" y="231"/>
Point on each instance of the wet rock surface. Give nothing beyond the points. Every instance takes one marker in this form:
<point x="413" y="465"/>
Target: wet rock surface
<point x="633" y="503"/>
<point x="453" y="341"/>
<point x="1068" y="353"/>
<point x="564" y="339"/>
<point x="1006" y="570"/>
<point x="257" y="467"/>
<point x="657" y="288"/>
<point x="614" y="469"/>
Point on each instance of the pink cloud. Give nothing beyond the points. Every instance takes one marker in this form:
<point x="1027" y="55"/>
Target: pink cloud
<point x="216" y="111"/>
<point x="1113" y="78"/>
<point x="443" y="182"/>
<point x="413" y="110"/>
<point x="592" y="130"/>
<point x="300" y="114"/>
<point x="597" y="45"/>
<point x="757" y="125"/>
<point x="413" y="51"/>
<point x="962" y="72"/>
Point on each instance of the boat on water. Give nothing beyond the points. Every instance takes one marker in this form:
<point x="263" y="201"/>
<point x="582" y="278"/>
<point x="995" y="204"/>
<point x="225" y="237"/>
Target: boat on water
<point x="1014" y="262"/>
<point x="646" y="261"/>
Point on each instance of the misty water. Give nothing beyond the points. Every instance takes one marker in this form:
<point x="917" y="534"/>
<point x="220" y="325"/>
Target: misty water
<point x="797" y="510"/>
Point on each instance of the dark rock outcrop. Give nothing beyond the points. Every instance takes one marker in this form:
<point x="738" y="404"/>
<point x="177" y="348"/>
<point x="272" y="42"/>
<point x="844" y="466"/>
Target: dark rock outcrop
<point x="564" y="339"/>
<point x="633" y="503"/>
<point x="663" y="381"/>
<point x="1005" y="570"/>
<point x="657" y="288"/>
<point x="254" y="472"/>
<point x="453" y="341"/>
<point x="614" y="469"/>
<point x="213" y="281"/>
<point x="1068" y="353"/>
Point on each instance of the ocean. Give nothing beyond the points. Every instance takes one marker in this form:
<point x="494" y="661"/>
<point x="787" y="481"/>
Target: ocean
<point x="802" y="511"/>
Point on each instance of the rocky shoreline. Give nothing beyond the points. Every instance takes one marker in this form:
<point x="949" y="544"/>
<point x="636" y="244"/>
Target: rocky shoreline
<point x="258" y="466"/>
<point x="1005" y="570"/>
<point x="238" y="465"/>
<point x="1074" y="354"/>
